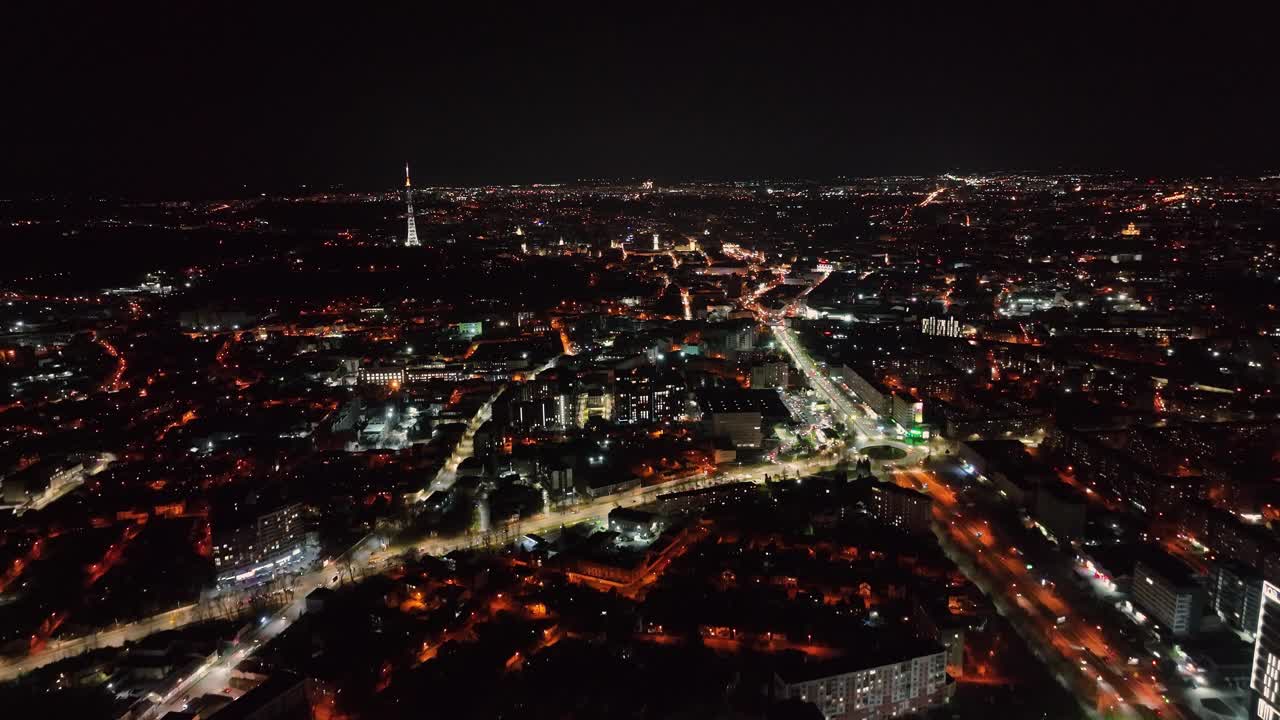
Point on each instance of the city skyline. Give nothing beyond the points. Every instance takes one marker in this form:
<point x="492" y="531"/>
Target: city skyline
<point x="882" y="446"/>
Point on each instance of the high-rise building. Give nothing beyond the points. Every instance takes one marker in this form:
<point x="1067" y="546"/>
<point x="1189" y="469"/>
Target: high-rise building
<point x="411" y="237"/>
<point x="871" y="685"/>
<point x="901" y="507"/>
<point x="741" y="429"/>
<point x="542" y="405"/>
<point x="774" y="374"/>
<point x="1235" y="594"/>
<point x="253" y="543"/>
<point x="1265" y="680"/>
<point x="632" y="399"/>
<point x="645" y="395"/>
<point x="1167" y="590"/>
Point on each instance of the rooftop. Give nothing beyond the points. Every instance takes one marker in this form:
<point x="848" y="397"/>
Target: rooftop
<point x="632" y="515"/>
<point x="895" y="652"/>
<point x="1159" y="563"/>
<point x="766" y="402"/>
<point x="266" y="693"/>
<point x="892" y="489"/>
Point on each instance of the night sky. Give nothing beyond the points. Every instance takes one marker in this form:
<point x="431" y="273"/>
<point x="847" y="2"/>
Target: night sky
<point x="214" y="98"/>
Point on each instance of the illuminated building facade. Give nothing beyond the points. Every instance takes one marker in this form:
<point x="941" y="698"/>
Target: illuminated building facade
<point x="901" y="508"/>
<point x="251" y="546"/>
<point x="1265" y="681"/>
<point x="542" y="405"/>
<point x="643" y="396"/>
<point x="380" y="375"/>
<point x="1166" y="589"/>
<point x="1235" y="592"/>
<point x="867" y="688"/>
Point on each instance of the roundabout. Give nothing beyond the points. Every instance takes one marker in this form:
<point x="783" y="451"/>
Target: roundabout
<point x="885" y="451"/>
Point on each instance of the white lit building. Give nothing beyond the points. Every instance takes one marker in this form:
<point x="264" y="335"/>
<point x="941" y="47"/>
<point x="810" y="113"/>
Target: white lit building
<point x="1265" y="680"/>
<point x="862" y="687"/>
<point x="251" y="547"/>
<point x="380" y="375"/>
<point x="1166" y="590"/>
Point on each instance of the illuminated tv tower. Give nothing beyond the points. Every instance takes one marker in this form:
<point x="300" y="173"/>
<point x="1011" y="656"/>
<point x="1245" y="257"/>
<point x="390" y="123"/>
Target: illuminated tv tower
<point x="411" y="238"/>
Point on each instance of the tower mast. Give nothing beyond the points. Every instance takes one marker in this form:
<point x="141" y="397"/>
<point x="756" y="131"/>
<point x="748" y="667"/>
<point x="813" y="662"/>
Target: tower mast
<point x="411" y="237"/>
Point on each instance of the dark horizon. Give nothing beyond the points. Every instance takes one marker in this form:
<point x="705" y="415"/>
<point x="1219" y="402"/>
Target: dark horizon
<point x="203" y="100"/>
<point x="212" y="193"/>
